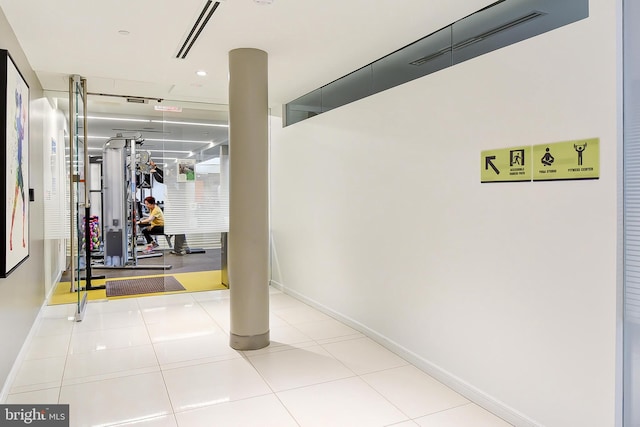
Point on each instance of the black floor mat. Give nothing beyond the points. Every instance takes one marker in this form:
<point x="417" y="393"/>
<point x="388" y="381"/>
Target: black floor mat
<point x="146" y="285"/>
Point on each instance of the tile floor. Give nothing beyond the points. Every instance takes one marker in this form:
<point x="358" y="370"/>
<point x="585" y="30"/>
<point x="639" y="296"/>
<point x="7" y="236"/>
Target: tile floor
<point x="165" y="361"/>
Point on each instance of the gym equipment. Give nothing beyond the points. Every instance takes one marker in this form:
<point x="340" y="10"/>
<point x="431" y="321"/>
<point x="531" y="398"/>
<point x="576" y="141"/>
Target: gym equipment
<point x="120" y="162"/>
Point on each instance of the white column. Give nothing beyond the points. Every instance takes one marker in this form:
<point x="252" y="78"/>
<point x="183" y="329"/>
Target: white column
<point x="248" y="239"/>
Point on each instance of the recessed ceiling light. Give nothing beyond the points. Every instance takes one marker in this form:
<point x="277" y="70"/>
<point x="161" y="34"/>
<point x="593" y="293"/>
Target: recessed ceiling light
<point x="201" y="73"/>
<point x="123" y="32"/>
<point x="263" y="1"/>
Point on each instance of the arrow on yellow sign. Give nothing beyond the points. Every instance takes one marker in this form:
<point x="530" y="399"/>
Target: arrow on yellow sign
<point x="488" y="162"/>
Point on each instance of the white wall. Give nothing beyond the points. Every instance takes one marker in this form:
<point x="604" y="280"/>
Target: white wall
<point x="506" y="291"/>
<point x="55" y="194"/>
<point x="22" y="293"/>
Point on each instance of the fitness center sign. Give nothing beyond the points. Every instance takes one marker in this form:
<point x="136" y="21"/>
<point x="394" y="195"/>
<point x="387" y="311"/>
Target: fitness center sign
<point x="34" y="415"/>
<point x="556" y="161"/>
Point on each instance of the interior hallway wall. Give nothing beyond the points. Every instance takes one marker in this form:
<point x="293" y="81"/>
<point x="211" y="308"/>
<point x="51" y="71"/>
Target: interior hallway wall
<point x="55" y="194"/>
<point x="507" y="291"/>
<point x="23" y="292"/>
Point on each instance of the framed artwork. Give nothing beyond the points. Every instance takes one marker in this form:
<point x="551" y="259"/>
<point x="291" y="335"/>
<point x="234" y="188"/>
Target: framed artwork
<point x="14" y="135"/>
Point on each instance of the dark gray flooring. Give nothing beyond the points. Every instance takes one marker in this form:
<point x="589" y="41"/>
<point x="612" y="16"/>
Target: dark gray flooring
<point x="210" y="260"/>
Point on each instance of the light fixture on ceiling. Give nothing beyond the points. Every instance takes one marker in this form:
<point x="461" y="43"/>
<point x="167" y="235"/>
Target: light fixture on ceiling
<point x="190" y="141"/>
<point x="124" y="32"/>
<point x="189" y="123"/>
<point x="263" y="1"/>
<point x="172" y="122"/>
<point x="201" y="73"/>
<point x="186" y="141"/>
<point x="118" y="119"/>
<point x="171" y="151"/>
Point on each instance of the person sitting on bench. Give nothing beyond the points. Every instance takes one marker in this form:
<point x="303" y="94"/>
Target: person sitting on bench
<point x="180" y="246"/>
<point x="153" y="224"/>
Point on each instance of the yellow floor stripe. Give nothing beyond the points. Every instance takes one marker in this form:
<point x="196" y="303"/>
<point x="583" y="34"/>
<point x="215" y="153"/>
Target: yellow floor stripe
<point x="192" y="282"/>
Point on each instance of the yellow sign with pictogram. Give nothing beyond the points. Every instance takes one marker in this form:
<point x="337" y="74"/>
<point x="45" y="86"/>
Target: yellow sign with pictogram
<point x="567" y="160"/>
<point x="506" y="165"/>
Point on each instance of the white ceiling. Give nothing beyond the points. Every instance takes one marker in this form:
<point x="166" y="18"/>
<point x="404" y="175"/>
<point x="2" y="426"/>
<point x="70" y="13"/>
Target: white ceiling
<point x="309" y="43"/>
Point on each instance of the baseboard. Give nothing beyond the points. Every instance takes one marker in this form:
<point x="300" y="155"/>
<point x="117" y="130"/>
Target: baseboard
<point x="472" y="393"/>
<point x="52" y="289"/>
<point x="277" y="285"/>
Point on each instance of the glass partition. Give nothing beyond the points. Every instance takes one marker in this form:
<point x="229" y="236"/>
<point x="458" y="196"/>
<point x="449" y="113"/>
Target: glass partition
<point x="352" y="87"/>
<point x="194" y="192"/>
<point x="513" y="21"/>
<point x="498" y="25"/>
<point x="423" y="57"/>
<point x="306" y="106"/>
<point x="173" y="151"/>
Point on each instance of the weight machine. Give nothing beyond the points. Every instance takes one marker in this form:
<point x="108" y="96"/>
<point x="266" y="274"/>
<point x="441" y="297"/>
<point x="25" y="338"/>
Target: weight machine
<point x="121" y="161"/>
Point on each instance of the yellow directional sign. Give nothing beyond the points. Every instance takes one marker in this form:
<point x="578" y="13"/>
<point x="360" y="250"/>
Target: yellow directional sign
<point x="506" y="165"/>
<point x="567" y="160"/>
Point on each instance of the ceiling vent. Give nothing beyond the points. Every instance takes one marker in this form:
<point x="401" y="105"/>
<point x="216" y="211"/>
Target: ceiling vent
<point x="197" y="28"/>
<point x="477" y="38"/>
<point x="504" y="27"/>
<point x="431" y="57"/>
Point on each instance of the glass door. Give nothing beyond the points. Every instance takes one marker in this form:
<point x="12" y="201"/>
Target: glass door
<point x="78" y="193"/>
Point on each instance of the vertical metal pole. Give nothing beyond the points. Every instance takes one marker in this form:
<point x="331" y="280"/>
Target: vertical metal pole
<point x="87" y="175"/>
<point x="88" y="241"/>
<point x="72" y="242"/>
<point x="134" y="200"/>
